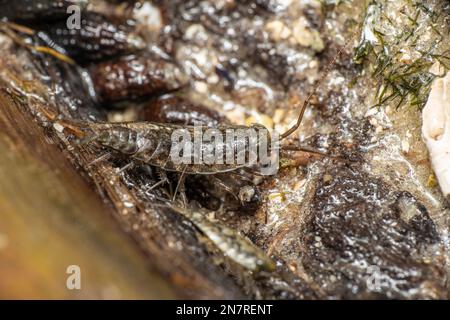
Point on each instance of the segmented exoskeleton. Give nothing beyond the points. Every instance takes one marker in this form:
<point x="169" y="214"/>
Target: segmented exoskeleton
<point x="227" y="191"/>
<point x="153" y="144"/>
<point x="230" y="242"/>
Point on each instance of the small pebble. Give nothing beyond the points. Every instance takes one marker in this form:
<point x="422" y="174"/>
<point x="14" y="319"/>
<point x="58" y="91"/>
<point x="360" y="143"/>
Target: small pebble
<point x="405" y="58"/>
<point x="405" y="146"/>
<point x="149" y="15"/>
<point x="432" y="182"/>
<point x="201" y="87"/>
<point x="58" y="127"/>
<point x="299" y="184"/>
<point x="277" y="196"/>
<point x="371" y="112"/>
<point x="128" y="204"/>
<point x="307" y="37"/>
<point x="373" y="122"/>
<point x="278" y="30"/>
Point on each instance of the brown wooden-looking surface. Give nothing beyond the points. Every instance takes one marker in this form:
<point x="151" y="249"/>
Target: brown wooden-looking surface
<point x="50" y="219"/>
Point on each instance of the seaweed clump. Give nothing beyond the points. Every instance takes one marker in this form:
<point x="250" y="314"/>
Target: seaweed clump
<point x="401" y="45"/>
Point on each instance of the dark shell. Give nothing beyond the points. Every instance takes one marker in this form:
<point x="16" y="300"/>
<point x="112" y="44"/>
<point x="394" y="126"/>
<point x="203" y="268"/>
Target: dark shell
<point x="171" y="109"/>
<point x="98" y="38"/>
<point x="34" y="10"/>
<point x="135" y="76"/>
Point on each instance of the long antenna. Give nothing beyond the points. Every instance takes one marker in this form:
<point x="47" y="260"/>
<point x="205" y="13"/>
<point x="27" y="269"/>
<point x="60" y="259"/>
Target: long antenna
<point x="316" y="87"/>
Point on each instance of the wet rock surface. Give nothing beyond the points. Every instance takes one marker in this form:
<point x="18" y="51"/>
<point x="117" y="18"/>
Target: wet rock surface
<point x="364" y="237"/>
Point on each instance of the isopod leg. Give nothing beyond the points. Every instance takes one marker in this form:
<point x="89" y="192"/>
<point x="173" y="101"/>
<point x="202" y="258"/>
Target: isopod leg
<point x="180" y="186"/>
<point x="103" y="157"/>
<point x="163" y="179"/>
<point x="126" y="167"/>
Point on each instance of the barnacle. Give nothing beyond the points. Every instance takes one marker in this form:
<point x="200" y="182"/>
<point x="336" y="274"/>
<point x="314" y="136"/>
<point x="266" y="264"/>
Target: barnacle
<point x="436" y="130"/>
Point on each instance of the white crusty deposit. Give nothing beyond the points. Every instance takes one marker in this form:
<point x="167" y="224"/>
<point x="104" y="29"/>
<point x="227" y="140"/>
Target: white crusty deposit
<point x="436" y="130"/>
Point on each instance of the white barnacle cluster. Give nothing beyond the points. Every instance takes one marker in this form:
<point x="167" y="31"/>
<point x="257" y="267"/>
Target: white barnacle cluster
<point x="436" y="130"/>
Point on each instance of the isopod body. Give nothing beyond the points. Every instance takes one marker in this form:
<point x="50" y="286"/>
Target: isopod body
<point x="230" y="242"/>
<point x="188" y="149"/>
<point x="236" y="191"/>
